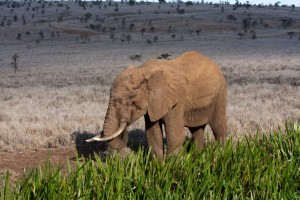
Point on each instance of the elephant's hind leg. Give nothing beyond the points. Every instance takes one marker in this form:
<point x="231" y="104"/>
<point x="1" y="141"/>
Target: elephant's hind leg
<point x="219" y="119"/>
<point x="154" y="137"/>
<point x="198" y="135"/>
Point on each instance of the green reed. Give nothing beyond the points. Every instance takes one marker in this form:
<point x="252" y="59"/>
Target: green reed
<point x="265" y="166"/>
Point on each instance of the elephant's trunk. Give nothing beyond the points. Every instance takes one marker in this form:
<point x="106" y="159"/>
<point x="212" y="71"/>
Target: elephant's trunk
<point x="114" y="131"/>
<point x="113" y="126"/>
<point x="111" y="137"/>
<point x="111" y="121"/>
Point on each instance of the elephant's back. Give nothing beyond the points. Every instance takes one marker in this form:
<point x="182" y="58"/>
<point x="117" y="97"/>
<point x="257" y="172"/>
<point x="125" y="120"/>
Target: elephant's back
<point x="195" y="65"/>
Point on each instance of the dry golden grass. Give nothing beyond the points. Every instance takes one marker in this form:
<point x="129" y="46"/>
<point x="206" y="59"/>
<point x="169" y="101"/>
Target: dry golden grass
<point x="62" y="87"/>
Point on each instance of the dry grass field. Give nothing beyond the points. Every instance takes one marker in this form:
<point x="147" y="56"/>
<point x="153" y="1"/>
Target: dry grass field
<point x="68" y="56"/>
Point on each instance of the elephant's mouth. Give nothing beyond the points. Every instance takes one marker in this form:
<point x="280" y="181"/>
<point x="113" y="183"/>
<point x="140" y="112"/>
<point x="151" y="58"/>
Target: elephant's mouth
<point x="111" y="137"/>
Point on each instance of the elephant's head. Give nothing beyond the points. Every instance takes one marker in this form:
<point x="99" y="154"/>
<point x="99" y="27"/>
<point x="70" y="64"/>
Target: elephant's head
<point x="136" y="92"/>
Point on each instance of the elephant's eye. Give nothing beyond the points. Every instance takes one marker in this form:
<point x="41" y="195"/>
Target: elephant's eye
<point x="136" y="105"/>
<point x="132" y="96"/>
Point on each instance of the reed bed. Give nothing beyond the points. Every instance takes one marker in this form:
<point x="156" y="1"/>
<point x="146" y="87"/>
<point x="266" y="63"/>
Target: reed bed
<point x="258" y="167"/>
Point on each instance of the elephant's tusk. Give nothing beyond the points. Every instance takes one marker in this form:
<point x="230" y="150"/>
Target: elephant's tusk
<point x="113" y="136"/>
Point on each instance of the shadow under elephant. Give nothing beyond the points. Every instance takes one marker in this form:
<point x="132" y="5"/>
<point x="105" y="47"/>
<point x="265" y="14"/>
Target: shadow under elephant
<point x="136" y="141"/>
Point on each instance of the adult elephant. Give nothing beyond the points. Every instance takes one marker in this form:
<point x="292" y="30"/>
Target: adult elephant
<point x="189" y="91"/>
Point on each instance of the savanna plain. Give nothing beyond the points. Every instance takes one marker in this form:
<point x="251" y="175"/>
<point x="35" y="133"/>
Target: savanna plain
<point x="59" y="59"/>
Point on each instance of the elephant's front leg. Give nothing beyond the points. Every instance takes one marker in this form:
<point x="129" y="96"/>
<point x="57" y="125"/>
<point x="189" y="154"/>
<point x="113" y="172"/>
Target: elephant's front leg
<point x="174" y="127"/>
<point x="154" y="138"/>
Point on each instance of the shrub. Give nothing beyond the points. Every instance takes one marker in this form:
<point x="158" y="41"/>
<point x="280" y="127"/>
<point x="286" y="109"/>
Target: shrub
<point x="87" y="16"/>
<point x="291" y="34"/>
<point x="286" y="22"/>
<point x="231" y="17"/>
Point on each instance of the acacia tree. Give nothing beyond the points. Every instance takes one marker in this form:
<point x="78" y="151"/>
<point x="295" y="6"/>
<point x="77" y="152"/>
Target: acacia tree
<point x="131" y="26"/>
<point x="164" y="56"/>
<point x="131" y="2"/>
<point x="135" y="57"/>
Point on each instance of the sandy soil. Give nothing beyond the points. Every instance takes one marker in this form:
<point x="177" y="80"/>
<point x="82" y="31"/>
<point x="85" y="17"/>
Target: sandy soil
<point x="18" y="163"/>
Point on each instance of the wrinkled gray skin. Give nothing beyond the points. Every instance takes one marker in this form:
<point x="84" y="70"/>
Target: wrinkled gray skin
<point x="189" y="91"/>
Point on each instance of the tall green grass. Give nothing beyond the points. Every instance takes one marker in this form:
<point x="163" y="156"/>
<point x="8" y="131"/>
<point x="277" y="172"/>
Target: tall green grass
<point x="259" y="167"/>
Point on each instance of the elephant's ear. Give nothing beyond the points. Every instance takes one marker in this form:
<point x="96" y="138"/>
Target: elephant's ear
<point x="165" y="90"/>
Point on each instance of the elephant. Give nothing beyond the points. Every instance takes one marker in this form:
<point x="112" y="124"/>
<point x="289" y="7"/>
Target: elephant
<point x="188" y="91"/>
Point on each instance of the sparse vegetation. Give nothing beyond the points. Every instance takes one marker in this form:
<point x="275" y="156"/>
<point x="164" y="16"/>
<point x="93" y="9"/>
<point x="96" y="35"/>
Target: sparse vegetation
<point x="14" y="62"/>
